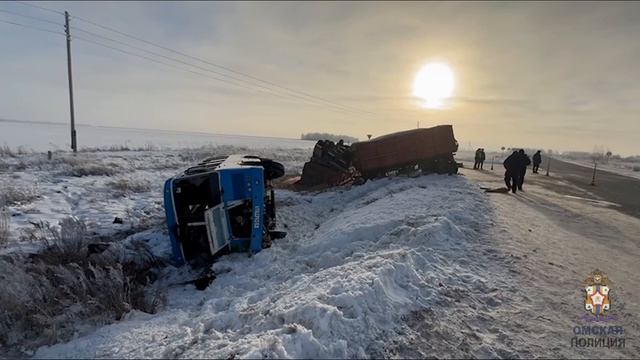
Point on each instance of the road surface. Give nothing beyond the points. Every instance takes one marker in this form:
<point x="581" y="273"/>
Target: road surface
<point x="575" y="180"/>
<point x="556" y="232"/>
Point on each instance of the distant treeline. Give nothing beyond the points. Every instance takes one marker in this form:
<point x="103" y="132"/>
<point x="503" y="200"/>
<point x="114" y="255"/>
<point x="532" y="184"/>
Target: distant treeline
<point x="324" y="136"/>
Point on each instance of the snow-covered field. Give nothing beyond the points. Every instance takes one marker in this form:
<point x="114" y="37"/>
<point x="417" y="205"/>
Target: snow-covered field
<point x="622" y="167"/>
<point x="397" y="267"/>
<point x="98" y="186"/>
<point x="43" y="137"/>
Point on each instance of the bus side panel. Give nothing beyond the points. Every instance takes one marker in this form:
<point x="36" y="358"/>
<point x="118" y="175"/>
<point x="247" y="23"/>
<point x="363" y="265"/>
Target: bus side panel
<point x="257" y="196"/>
<point x="172" y="223"/>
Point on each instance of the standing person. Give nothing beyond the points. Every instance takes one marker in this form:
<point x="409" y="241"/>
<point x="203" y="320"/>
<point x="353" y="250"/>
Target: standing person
<point x="510" y="174"/>
<point x="522" y="167"/>
<point x="476" y="164"/>
<point x="537" y="160"/>
<point x="482" y="157"/>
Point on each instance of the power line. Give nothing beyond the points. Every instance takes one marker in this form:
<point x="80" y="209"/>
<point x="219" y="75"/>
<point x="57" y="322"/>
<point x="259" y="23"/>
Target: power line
<point x="289" y="92"/>
<point x="164" y="63"/>
<point x="182" y="69"/>
<point x="31" y="27"/>
<point x="150" y="59"/>
<point x="296" y="93"/>
<point x="216" y="65"/>
<point x="259" y="87"/>
<point x="39" y="7"/>
<point x="30" y="17"/>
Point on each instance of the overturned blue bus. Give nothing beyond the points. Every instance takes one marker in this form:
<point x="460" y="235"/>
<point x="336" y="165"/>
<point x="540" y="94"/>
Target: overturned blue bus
<point x="223" y="204"/>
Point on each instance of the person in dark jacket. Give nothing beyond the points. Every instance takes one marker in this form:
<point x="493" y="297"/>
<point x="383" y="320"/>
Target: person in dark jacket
<point x="482" y="157"/>
<point x="524" y="161"/>
<point x="537" y="160"/>
<point x="511" y="171"/>
<point x="476" y="164"/>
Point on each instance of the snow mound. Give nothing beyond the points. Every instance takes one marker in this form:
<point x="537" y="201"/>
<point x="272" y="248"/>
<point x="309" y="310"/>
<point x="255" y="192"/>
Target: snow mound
<point x="354" y="263"/>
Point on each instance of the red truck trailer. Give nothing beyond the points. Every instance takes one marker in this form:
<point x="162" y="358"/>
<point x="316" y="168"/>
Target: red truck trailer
<point x="431" y="149"/>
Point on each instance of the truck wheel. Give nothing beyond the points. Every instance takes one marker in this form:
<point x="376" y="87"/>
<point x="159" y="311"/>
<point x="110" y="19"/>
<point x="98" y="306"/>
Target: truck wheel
<point x="369" y="176"/>
<point x="359" y="181"/>
<point x="272" y="169"/>
<point x="453" y="168"/>
<point x="427" y="167"/>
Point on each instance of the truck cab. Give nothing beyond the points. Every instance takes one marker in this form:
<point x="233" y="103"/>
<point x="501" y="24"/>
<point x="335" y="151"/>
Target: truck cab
<point x="223" y="204"/>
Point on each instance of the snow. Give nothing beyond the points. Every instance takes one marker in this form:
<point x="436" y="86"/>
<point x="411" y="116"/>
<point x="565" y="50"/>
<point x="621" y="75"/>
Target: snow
<point x="405" y="267"/>
<point x="556" y="241"/>
<point x="354" y="263"/>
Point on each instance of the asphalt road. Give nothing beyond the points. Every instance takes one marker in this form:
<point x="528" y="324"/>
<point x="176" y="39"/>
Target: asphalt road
<point x="619" y="189"/>
<point x="615" y="188"/>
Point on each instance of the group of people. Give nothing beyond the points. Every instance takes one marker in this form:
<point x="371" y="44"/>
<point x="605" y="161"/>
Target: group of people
<point x="516" y="168"/>
<point x="480" y="156"/>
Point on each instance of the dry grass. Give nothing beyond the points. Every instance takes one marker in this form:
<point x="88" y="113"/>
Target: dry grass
<point x="65" y="165"/>
<point x="124" y="186"/>
<point x="14" y="194"/>
<point x="5" y="227"/>
<point x="118" y="148"/>
<point x="89" y="169"/>
<point x="49" y="296"/>
<point x="6" y="151"/>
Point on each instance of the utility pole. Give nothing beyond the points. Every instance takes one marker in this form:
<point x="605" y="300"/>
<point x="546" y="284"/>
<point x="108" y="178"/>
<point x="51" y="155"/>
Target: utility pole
<point x="74" y="145"/>
<point x="593" y="179"/>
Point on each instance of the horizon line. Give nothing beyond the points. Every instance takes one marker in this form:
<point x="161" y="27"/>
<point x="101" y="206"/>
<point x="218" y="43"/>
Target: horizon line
<point x="145" y="129"/>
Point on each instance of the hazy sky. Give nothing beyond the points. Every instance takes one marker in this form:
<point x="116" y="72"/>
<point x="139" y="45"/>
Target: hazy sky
<point x="550" y="75"/>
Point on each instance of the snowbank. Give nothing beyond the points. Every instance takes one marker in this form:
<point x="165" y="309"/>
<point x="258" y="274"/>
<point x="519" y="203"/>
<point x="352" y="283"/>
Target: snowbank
<point x="354" y="263"/>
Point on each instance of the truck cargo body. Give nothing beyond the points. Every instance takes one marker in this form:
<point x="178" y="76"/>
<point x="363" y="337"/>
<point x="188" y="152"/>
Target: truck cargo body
<point x="425" y="147"/>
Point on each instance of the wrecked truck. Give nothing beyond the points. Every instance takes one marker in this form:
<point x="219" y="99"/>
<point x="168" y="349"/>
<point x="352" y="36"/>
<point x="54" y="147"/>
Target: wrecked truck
<point x="223" y="204"/>
<point x="430" y="150"/>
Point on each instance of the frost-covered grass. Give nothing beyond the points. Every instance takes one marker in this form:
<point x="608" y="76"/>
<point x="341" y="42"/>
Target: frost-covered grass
<point x="12" y="193"/>
<point x="5" y="226"/>
<point x="6" y="151"/>
<point x="122" y="147"/>
<point x="125" y="186"/>
<point x="68" y="286"/>
<point x="73" y="166"/>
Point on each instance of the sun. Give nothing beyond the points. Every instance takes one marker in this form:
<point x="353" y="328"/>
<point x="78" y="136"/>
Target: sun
<point x="434" y="84"/>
